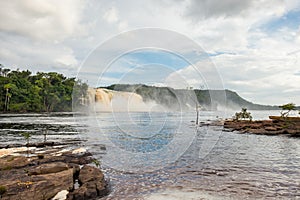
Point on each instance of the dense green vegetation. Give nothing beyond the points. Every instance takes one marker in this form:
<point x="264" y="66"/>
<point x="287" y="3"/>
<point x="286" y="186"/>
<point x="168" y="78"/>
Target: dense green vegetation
<point x="168" y="96"/>
<point x="244" y="115"/>
<point x="21" y="91"/>
<point x="161" y="95"/>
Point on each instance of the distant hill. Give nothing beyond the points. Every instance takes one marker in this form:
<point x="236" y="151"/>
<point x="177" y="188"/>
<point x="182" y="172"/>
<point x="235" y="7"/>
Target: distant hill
<point x="183" y="98"/>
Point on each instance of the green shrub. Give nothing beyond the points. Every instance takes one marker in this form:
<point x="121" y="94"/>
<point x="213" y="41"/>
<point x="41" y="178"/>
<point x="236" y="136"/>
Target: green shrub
<point x="288" y="107"/>
<point x="243" y="115"/>
<point x="2" y="190"/>
<point x="96" y="162"/>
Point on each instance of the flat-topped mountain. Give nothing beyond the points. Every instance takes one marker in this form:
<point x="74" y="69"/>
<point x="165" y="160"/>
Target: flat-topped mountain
<point x="180" y="98"/>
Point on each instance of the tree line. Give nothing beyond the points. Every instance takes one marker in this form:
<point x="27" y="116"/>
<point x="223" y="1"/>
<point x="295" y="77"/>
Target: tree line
<point x="22" y="91"/>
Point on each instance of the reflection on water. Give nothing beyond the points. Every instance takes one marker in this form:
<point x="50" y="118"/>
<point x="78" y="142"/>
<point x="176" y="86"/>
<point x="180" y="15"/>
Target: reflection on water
<point x="142" y="132"/>
<point x="239" y="166"/>
<point x="60" y="127"/>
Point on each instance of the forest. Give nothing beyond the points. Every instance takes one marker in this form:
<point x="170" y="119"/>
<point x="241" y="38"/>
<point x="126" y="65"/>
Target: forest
<point x="169" y="96"/>
<point x="22" y="91"/>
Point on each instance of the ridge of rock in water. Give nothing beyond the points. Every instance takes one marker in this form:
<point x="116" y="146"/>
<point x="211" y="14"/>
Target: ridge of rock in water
<point x="43" y="176"/>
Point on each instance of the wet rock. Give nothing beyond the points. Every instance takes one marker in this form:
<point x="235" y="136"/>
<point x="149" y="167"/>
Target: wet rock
<point x="42" y="144"/>
<point x="92" y="184"/>
<point x="49" y="168"/>
<point x="44" y="177"/>
<point x="38" y="187"/>
<point x="68" y="157"/>
<point x="79" y="151"/>
<point x="13" y="162"/>
<point x="62" y="195"/>
<point x="270" y="128"/>
<point x="275" y="126"/>
<point x="89" y="173"/>
<point x="256" y="126"/>
<point x="86" y="191"/>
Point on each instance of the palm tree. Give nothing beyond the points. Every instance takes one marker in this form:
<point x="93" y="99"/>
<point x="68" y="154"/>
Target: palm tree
<point x="8" y="87"/>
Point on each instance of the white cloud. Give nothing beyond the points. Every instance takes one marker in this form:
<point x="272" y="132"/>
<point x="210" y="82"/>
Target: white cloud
<point x="215" y="8"/>
<point x="111" y="16"/>
<point x="67" y="60"/>
<point x="123" y="25"/>
<point x="264" y="71"/>
<point x="36" y="56"/>
<point x="34" y="32"/>
<point x="261" y="65"/>
<point x="47" y="20"/>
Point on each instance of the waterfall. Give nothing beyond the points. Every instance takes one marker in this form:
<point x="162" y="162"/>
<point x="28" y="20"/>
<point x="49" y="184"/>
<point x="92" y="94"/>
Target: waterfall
<point x="104" y="100"/>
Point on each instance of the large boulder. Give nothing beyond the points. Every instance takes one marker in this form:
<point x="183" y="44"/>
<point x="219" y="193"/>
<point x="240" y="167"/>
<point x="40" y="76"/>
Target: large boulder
<point x="49" y="168"/>
<point x="38" y="187"/>
<point x="90" y="173"/>
<point x="43" y="177"/>
<point x="92" y="183"/>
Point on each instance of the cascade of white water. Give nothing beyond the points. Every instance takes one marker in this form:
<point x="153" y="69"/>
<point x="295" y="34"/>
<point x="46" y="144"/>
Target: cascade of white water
<point x="110" y="100"/>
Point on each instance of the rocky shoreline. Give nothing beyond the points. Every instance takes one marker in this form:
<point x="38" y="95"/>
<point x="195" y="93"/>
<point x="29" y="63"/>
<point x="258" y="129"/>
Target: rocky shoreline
<point x="50" y="173"/>
<point x="275" y="126"/>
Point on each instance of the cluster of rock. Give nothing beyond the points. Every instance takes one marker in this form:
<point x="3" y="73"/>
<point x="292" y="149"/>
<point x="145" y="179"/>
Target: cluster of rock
<point x="43" y="177"/>
<point x="275" y="126"/>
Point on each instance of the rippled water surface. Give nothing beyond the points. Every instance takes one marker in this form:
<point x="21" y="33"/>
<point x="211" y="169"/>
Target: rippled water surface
<point x="215" y="164"/>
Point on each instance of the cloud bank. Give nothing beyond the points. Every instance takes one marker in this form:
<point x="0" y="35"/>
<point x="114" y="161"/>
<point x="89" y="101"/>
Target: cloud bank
<point x="254" y="44"/>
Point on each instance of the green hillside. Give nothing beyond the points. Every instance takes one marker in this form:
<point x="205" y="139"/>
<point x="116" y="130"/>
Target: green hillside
<point x="181" y="98"/>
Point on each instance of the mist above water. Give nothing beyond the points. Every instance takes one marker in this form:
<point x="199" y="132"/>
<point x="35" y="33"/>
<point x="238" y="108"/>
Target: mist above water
<point x="104" y="100"/>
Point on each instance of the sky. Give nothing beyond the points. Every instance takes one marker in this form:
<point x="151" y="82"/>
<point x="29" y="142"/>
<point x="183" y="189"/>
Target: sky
<point x="250" y="46"/>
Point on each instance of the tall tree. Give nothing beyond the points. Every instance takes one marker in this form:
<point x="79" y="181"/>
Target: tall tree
<point x="9" y="88"/>
<point x="44" y="92"/>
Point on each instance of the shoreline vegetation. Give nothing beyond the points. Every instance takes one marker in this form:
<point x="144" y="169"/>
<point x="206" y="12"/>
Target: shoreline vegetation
<point x="276" y="125"/>
<point x="23" y="92"/>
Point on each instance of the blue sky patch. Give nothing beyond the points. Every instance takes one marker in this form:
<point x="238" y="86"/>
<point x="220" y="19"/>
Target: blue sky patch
<point x="145" y="65"/>
<point x="289" y="20"/>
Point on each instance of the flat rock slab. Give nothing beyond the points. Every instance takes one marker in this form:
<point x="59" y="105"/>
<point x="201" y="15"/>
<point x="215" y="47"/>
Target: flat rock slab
<point x="38" y="187"/>
<point x="265" y="127"/>
<point x="39" y="178"/>
<point x="10" y="162"/>
<point x="48" y="168"/>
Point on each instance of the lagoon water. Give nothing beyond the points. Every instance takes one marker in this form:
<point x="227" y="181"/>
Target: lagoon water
<point x="165" y="156"/>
